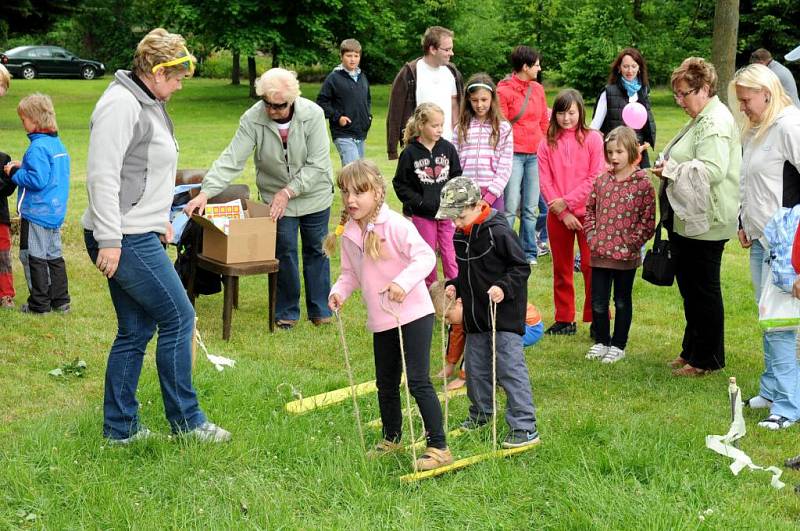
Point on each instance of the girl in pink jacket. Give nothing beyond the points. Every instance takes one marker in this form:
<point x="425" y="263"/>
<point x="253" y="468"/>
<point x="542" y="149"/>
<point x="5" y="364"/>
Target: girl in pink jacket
<point x="384" y="256"/>
<point x="570" y="159"/>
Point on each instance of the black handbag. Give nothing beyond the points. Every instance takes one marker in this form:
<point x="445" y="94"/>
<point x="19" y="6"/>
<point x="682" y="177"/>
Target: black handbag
<point x="658" y="266"/>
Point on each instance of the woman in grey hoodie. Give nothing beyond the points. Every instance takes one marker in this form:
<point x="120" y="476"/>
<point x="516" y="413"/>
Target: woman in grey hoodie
<point x="131" y="166"/>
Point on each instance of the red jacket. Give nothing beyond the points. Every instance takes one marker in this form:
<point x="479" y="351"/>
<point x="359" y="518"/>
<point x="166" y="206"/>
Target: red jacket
<point x="532" y="126"/>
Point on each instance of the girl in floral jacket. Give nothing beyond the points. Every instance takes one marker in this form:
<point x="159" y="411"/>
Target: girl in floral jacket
<point x="620" y="218"/>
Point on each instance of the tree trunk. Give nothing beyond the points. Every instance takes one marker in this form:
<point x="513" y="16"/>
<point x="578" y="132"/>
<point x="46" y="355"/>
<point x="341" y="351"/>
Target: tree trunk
<point x="723" y="43"/>
<point x="251" y="75"/>
<point x="637" y="10"/>
<point x="236" y="70"/>
<point x="275" y="56"/>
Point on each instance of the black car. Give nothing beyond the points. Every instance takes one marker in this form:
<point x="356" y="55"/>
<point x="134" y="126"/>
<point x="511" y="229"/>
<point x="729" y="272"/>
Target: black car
<point x="31" y="61"/>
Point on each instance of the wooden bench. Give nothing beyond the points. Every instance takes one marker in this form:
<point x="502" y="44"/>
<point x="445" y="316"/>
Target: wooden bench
<point x="230" y="286"/>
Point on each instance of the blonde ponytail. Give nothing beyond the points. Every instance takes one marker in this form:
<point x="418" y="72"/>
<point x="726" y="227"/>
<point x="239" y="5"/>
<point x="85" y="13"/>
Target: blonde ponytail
<point x="422" y="115"/>
<point x="329" y="245"/>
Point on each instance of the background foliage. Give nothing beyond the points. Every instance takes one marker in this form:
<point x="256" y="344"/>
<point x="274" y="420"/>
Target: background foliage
<point x="578" y="38"/>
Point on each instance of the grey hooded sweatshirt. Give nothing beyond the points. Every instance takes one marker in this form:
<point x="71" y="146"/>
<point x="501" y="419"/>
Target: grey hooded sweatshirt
<point x="133" y="156"/>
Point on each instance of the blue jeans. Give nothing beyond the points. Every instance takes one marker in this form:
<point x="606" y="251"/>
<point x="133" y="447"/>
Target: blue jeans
<point x="541" y="220"/>
<point x="316" y="266"/>
<point x="349" y="149"/>
<point x="780" y="381"/>
<point x="147" y="293"/>
<point x="522" y="192"/>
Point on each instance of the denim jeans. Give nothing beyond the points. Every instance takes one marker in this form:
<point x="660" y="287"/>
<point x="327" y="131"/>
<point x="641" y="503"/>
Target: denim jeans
<point x="541" y="220"/>
<point x="316" y="266"/>
<point x="147" y="293"/>
<point x="780" y="381"/>
<point x="349" y="149"/>
<point x="522" y="192"/>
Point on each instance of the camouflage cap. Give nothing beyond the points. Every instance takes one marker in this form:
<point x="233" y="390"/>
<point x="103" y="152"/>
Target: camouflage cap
<point x="457" y="194"/>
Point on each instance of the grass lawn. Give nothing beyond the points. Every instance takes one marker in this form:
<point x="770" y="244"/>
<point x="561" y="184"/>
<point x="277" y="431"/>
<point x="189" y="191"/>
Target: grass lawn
<point x="622" y="445"/>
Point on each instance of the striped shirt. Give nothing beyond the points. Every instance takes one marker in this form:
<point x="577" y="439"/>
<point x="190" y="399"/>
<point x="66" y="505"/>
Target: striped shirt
<point x="489" y="167"/>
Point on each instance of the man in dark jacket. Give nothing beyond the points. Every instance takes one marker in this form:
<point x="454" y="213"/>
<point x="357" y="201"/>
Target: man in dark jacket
<point x="430" y="78"/>
<point x="492" y="283"/>
<point x="347" y="103"/>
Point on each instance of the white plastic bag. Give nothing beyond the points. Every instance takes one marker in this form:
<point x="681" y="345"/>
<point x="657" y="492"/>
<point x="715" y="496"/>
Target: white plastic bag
<point x="777" y="310"/>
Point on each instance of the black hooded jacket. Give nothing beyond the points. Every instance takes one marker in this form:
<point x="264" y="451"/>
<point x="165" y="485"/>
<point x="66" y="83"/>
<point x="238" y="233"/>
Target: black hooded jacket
<point x="421" y="174"/>
<point x="491" y="255"/>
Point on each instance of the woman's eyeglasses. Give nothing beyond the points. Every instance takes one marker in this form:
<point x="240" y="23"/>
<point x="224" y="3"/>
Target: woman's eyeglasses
<point x="679" y="95"/>
<point x="275" y="106"/>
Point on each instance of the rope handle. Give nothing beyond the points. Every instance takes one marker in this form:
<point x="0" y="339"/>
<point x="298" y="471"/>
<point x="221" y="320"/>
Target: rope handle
<point x="384" y="300"/>
<point x="349" y="368"/>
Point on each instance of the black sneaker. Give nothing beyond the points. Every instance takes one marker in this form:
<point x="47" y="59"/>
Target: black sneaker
<point x="520" y="438"/>
<point x="561" y="328"/>
<point x="25" y="308"/>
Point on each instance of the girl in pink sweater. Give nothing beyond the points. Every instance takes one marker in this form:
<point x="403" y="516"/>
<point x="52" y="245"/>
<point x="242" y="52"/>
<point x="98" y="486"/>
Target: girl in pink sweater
<point x="384" y="256"/>
<point x="484" y="140"/>
<point x="570" y="158"/>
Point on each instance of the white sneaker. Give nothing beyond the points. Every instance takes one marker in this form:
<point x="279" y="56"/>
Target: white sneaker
<point x="614" y="354"/>
<point x="758" y="402"/>
<point x="598" y="351"/>
<point x="209" y="432"/>
<point x="776" y="422"/>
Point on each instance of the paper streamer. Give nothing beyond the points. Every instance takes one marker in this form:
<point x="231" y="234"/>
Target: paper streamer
<point x="220" y="362"/>
<point x="724" y="444"/>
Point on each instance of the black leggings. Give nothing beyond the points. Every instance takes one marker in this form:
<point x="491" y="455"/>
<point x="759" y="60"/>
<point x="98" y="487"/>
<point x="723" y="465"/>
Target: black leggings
<point x="388" y="370"/>
<point x="622" y="279"/>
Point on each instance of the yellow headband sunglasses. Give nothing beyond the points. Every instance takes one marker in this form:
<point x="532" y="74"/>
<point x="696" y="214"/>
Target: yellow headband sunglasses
<point x="186" y="58"/>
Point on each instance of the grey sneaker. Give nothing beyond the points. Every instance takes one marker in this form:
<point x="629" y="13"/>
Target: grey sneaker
<point x="140" y="435"/>
<point x="598" y="351"/>
<point x="64" y="308"/>
<point x="209" y="432"/>
<point x="613" y="355"/>
<point x="542" y="249"/>
<point x="520" y="438"/>
<point x="533" y="261"/>
<point x="473" y="424"/>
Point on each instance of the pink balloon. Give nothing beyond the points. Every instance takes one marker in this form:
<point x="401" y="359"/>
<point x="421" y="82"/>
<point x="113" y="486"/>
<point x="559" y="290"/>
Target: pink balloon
<point x="634" y="115"/>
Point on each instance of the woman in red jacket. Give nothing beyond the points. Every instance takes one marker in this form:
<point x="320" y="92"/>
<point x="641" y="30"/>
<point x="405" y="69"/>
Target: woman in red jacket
<point x="523" y="103"/>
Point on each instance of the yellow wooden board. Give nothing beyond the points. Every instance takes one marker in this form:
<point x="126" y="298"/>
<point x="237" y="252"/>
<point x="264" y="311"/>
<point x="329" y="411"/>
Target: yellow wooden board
<point x="453" y="393"/>
<point x="327" y="399"/>
<point x="463" y="463"/>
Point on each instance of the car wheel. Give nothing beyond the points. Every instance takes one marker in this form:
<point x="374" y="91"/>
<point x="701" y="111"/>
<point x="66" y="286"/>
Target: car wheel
<point x="88" y="72"/>
<point x="28" y="72"/>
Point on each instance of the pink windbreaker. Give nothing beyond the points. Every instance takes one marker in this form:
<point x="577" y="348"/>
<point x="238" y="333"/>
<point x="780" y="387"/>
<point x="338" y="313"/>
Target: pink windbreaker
<point x="405" y="260"/>
<point x="568" y="171"/>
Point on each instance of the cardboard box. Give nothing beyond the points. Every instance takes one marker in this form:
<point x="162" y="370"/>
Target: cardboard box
<point x="248" y="240"/>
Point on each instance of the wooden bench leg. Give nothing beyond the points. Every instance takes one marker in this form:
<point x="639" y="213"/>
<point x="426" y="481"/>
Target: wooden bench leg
<point x="273" y="287"/>
<point x="236" y="293"/>
<point x="227" y="306"/>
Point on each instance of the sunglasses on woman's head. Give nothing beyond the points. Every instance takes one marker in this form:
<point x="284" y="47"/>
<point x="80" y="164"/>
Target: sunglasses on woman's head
<point x="275" y="106"/>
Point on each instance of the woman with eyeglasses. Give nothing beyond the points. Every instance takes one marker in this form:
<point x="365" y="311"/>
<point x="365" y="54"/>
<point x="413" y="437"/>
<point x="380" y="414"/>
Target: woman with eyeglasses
<point x="627" y="83"/>
<point x="285" y="134"/>
<point x="699" y="200"/>
<point x="130" y="176"/>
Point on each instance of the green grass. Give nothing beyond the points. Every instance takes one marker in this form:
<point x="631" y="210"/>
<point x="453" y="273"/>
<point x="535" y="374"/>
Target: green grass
<point x="623" y="446"/>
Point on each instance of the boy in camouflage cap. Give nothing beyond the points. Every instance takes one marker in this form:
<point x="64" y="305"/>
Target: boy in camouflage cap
<point x="491" y="266"/>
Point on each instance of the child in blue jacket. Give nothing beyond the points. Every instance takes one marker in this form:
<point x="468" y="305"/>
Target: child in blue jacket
<point x="43" y="181"/>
